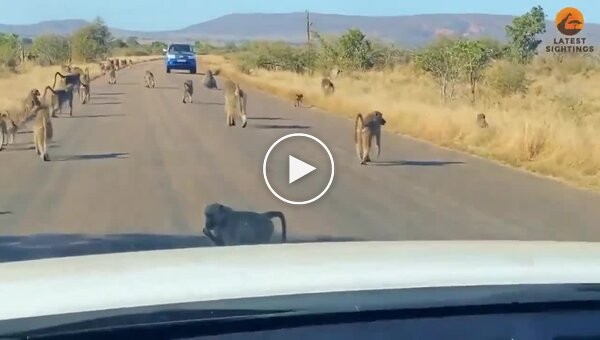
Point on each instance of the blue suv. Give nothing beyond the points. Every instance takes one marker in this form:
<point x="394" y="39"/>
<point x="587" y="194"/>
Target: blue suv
<point x="180" y="57"/>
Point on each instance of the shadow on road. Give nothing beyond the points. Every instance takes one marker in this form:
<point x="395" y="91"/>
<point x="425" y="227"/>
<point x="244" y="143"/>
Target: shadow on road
<point x="5" y="213"/>
<point x="24" y="132"/>
<point x="271" y="126"/>
<point x="32" y="247"/>
<point x="99" y="115"/>
<point x="107" y="94"/>
<point x="167" y="87"/>
<point x="209" y="103"/>
<point x="104" y="103"/>
<point x="93" y="156"/>
<point x="29" y="147"/>
<point x="127" y="84"/>
<point x="415" y="163"/>
<point x="266" y="118"/>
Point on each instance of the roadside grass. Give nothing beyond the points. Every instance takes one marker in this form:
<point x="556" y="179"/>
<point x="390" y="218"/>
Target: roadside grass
<point x="14" y="87"/>
<point x="551" y="130"/>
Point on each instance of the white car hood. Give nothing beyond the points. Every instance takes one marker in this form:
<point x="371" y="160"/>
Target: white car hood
<point x="100" y="282"/>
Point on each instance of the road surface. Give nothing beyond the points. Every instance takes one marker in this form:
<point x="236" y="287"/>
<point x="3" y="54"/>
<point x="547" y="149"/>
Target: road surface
<point x="139" y="165"/>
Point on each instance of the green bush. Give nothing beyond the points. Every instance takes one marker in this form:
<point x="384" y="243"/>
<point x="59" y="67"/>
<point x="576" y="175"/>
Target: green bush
<point x="51" y="49"/>
<point x="507" y="78"/>
<point x="91" y="42"/>
<point x="9" y="50"/>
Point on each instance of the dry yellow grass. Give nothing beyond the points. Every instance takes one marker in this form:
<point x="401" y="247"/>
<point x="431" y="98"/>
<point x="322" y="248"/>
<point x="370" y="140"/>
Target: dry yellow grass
<point x="553" y="130"/>
<point x="15" y="87"/>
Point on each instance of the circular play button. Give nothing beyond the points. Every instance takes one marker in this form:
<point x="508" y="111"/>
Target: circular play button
<point x="298" y="168"/>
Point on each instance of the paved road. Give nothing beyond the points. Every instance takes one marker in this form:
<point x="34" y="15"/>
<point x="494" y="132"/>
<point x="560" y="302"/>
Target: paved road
<point x="138" y="161"/>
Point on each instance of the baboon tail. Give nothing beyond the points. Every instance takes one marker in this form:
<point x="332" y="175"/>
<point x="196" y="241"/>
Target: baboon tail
<point x="48" y="88"/>
<point x="279" y="214"/>
<point x="359" y="124"/>
<point x="57" y="74"/>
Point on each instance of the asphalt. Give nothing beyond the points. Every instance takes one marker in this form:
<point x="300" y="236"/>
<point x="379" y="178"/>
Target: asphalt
<point x="136" y="167"/>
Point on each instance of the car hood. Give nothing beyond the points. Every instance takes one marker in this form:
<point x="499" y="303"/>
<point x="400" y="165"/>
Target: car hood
<point x="99" y="282"/>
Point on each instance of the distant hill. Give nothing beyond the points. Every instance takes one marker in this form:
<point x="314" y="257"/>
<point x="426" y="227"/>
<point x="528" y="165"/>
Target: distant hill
<point x="410" y="30"/>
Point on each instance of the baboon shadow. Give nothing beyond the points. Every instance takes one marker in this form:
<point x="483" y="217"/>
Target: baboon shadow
<point x="30" y="147"/>
<point x="271" y="126"/>
<point x="119" y="155"/>
<point x="209" y="103"/>
<point x="24" y="132"/>
<point x="39" y="246"/>
<point x="414" y="163"/>
<point x="266" y="118"/>
<point x="105" y="103"/>
<point x="107" y="94"/>
<point x="126" y="84"/>
<point x="100" y="115"/>
<point x="5" y="212"/>
<point x="322" y="238"/>
<point x="167" y="87"/>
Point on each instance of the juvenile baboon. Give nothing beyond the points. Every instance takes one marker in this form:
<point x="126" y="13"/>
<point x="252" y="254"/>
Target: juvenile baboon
<point x="481" y="121"/>
<point x="209" y="80"/>
<point x="112" y="75"/>
<point x="327" y="87"/>
<point x="8" y="129"/>
<point x="226" y="227"/>
<point x="188" y="90"/>
<point x="298" y="101"/>
<point x="31" y="100"/>
<point x="42" y="131"/>
<point x="84" y="93"/>
<point x="59" y="98"/>
<point x="73" y="79"/>
<point x="130" y="62"/>
<point x="364" y="131"/>
<point x="235" y="103"/>
<point x="149" y="79"/>
<point x="123" y="63"/>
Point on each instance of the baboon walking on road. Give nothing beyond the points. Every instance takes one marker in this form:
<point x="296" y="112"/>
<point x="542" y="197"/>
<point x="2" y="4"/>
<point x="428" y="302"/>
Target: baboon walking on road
<point x="112" y="75"/>
<point x="235" y="103"/>
<point x="59" y="98"/>
<point x="73" y="79"/>
<point x="364" y="131"/>
<point x="188" y="91"/>
<point x="298" y="101"/>
<point x="209" y="80"/>
<point x="327" y="87"/>
<point x="42" y="131"/>
<point x="8" y="130"/>
<point x="149" y="79"/>
<point x="84" y="94"/>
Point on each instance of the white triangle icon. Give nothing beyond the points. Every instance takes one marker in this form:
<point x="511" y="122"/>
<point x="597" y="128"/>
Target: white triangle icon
<point x="298" y="169"/>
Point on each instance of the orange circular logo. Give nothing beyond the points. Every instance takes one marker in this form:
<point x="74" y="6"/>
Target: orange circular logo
<point x="569" y="21"/>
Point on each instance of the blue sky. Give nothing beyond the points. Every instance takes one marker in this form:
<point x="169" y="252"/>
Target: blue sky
<point x="149" y="15"/>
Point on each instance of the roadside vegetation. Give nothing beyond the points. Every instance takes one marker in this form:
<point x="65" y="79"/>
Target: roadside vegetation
<point x="31" y="63"/>
<point x="543" y="109"/>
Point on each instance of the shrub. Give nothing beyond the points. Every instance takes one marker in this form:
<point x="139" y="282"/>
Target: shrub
<point x="507" y="78"/>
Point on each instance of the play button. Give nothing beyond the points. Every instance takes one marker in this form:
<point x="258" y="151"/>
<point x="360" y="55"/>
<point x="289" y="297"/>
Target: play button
<point x="298" y="168"/>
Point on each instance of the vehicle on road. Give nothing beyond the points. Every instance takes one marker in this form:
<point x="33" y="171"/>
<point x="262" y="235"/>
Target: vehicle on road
<point x="180" y="57"/>
<point x="340" y="290"/>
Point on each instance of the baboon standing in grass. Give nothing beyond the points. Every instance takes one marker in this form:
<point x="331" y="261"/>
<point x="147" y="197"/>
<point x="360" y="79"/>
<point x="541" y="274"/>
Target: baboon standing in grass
<point x="188" y="91"/>
<point x="481" y="121"/>
<point x="235" y="103"/>
<point x="327" y="87"/>
<point x="364" y="131"/>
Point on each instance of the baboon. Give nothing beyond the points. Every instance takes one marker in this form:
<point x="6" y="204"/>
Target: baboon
<point x="42" y="131"/>
<point x="327" y="87"/>
<point x="481" y="121"/>
<point x="188" y="90"/>
<point x="235" y="103"/>
<point x="364" y="131"/>
<point x="84" y="93"/>
<point x="123" y="63"/>
<point x="298" y="101"/>
<point x="209" y="80"/>
<point x="130" y="62"/>
<point x="31" y="100"/>
<point x="59" y="98"/>
<point x="73" y="79"/>
<point x="8" y="129"/>
<point x="112" y="75"/>
<point x="117" y="64"/>
<point x="227" y="227"/>
<point x="78" y="70"/>
<point x="102" y="67"/>
<point x="149" y="79"/>
<point x="65" y="68"/>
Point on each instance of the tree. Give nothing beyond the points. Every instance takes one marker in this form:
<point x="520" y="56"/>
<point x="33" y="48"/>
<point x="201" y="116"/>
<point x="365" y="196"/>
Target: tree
<point x="522" y="34"/>
<point x="51" y="49"/>
<point x="441" y="60"/>
<point x="156" y="47"/>
<point x="132" y="42"/>
<point x="473" y="59"/>
<point x="118" y="43"/>
<point x="355" y="50"/>
<point x="9" y="49"/>
<point x="91" y="42"/>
